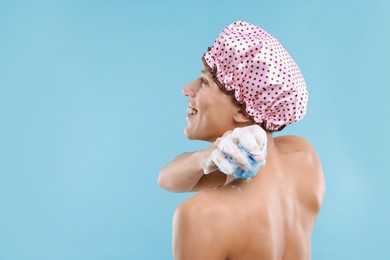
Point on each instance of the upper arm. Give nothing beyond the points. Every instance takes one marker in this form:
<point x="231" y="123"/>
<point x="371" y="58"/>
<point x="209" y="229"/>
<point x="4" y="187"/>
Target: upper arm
<point x="197" y="233"/>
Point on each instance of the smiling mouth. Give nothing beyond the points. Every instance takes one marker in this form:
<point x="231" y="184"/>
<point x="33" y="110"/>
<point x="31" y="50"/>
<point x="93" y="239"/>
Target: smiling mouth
<point x="191" y="111"/>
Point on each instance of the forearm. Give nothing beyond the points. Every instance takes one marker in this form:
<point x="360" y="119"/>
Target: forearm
<point x="183" y="172"/>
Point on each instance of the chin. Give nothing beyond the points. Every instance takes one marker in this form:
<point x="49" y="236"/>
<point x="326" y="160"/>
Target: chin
<point x="191" y="136"/>
<point x="188" y="135"/>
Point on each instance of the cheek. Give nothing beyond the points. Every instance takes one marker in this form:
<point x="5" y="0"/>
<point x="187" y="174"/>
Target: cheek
<point x="216" y="107"/>
<point x="219" y="115"/>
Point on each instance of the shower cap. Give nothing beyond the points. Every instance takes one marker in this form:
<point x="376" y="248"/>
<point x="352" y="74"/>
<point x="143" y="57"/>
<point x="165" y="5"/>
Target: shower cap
<point x="249" y="63"/>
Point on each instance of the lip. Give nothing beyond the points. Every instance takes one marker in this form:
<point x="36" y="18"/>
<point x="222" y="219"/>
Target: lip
<point x="189" y="105"/>
<point x="190" y="115"/>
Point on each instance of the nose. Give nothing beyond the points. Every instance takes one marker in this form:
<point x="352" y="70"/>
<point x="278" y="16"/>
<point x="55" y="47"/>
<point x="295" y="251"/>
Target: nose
<point x="190" y="89"/>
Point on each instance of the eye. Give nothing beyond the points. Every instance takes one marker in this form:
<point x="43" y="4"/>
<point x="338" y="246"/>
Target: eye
<point x="203" y="81"/>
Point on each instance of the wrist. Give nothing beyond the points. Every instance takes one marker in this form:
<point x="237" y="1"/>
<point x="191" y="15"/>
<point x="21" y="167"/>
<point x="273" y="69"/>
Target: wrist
<point x="201" y="157"/>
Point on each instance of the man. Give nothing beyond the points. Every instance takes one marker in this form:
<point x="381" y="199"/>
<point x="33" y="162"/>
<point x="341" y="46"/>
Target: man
<point x="248" y="80"/>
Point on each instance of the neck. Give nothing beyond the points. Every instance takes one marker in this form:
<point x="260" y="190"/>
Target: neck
<point x="270" y="143"/>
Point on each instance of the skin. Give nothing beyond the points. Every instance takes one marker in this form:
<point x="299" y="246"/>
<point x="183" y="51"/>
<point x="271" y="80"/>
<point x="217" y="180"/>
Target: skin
<point x="271" y="216"/>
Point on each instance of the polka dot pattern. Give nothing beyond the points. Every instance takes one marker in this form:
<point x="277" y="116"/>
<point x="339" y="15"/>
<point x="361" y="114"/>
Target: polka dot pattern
<point x="252" y="65"/>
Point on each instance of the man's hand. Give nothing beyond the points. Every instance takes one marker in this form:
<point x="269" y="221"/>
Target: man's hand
<point x="234" y="149"/>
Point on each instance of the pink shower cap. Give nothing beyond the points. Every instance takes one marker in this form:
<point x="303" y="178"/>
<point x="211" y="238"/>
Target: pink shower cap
<point x="252" y="65"/>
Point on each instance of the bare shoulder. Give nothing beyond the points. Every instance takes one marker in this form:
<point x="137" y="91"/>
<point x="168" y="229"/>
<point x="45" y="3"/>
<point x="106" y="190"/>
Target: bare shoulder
<point x="309" y="173"/>
<point x="293" y="140"/>
<point x="200" y="228"/>
<point x="298" y="143"/>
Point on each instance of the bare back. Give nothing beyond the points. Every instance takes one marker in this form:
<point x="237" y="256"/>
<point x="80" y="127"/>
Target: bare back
<point x="271" y="216"/>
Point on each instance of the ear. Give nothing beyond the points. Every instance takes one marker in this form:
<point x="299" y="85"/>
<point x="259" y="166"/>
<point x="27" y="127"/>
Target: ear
<point x="240" y="117"/>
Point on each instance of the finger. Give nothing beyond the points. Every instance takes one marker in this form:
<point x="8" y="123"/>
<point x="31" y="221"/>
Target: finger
<point x="215" y="143"/>
<point x="258" y="133"/>
<point x="224" y="164"/>
<point x="248" y="137"/>
<point x="209" y="166"/>
<point x="228" y="146"/>
<point x="226" y="133"/>
<point x="218" y="140"/>
<point x="260" y="158"/>
<point x="248" y="142"/>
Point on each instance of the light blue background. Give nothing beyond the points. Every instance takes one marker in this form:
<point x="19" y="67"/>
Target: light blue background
<point x="91" y="108"/>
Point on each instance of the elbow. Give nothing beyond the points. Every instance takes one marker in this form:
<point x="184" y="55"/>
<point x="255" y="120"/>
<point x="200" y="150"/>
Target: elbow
<point x="164" y="182"/>
<point x="161" y="181"/>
